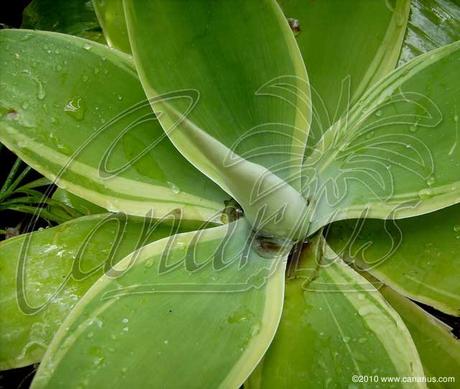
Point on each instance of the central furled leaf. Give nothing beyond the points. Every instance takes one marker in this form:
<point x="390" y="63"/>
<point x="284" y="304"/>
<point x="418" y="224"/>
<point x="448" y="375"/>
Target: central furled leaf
<point x="232" y="94"/>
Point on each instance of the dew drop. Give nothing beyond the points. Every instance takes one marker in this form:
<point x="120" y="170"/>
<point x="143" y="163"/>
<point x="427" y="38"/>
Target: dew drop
<point x="239" y="316"/>
<point x="457" y="228"/>
<point x="430" y="181"/>
<point x="425" y="194"/>
<point x="174" y="188"/>
<point x="41" y="94"/>
<point x="75" y="108"/>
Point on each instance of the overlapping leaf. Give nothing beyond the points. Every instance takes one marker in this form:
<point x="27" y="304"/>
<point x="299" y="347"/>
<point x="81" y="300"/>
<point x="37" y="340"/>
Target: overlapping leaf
<point x="418" y="257"/>
<point x="335" y="325"/>
<point x="207" y="302"/>
<point x="74" y="17"/>
<point x="112" y="18"/>
<point x="81" y="205"/>
<point x="45" y="273"/>
<point x="397" y="153"/>
<point x="438" y="348"/>
<point x="347" y="45"/>
<point x="101" y="143"/>
<point x="245" y="121"/>
<point x="432" y="24"/>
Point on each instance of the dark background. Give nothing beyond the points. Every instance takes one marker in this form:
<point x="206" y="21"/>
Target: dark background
<point x="11" y="16"/>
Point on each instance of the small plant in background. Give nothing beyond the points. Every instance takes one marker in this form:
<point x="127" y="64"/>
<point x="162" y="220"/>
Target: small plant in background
<point x="23" y="191"/>
<point x="249" y="193"/>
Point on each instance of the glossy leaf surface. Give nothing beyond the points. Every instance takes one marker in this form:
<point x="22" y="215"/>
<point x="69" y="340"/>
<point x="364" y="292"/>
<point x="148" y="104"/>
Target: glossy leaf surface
<point x="347" y="45"/>
<point x="206" y="302"/>
<point x="106" y="147"/>
<point x="81" y="205"/>
<point x="432" y="24"/>
<point x="112" y="18"/>
<point x="418" y="257"/>
<point x="334" y="325"/>
<point x="438" y="348"/>
<point x="45" y="273"/>
<point x="239" y="97"/>
<point x="397" y="153"/>
<point x="74" y="17"/>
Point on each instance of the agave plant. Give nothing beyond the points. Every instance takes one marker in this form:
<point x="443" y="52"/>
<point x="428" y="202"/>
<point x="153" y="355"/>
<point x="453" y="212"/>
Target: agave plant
<point x="242" y="167"/>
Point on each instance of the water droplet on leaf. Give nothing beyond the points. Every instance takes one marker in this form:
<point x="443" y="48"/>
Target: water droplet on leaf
<point x="174" y="188"/>
<point x="425" y="194"/>
<point x="75" y="108"/>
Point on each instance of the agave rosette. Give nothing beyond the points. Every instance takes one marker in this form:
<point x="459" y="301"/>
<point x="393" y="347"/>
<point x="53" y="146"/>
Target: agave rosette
<point x="243" y="168"/>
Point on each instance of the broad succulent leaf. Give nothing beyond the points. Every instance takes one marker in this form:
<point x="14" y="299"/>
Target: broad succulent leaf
<point x="334" y="325"/>
<point x="106" y="147"/>
<point x="212" y="310"/>
<point x="397" y="152"/>
<point x="438" y="348"/>
<point x="112" y="19"/>
<point x="432" y="24"/>
<point x="418" y="257"/>
<point x="244" y="118"/>
<point x="347" y="45"/>
<point x="43" y="275"/>
<point x="74" y="17"/>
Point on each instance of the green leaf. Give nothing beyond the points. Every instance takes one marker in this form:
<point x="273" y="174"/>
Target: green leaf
<point x="81" y="205"/>
<point x="347" y="45"/>
<point x="206" y="302"/>
<point x="106" y="147"/>
<point x="438" y="348"/>
<point x="418" y="257"/>
<point x="112" y="18"/>
<point x="432" y="24"/>
<point x="397" y="152"/>
<point x="43" y="275"/>
<point x="246" y="121"/>
<point x="334" y="325"/>
<point x="74" y="17"/>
